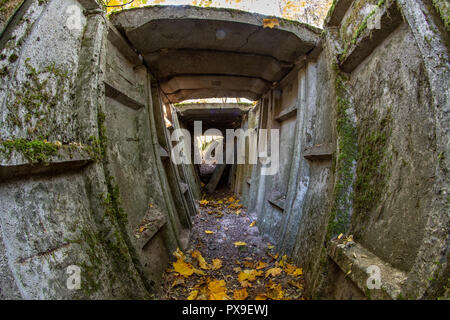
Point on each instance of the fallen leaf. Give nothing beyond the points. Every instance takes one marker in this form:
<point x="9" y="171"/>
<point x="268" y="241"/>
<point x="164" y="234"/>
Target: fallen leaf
<point x="193" y="295"/>
<point x="240" y="243"/>
<point x="261" y="265"/>
<point x="216" y="264"/>
<point x="183" y="268"/>
<point x="248" y="264"/>
<point x="276" y="294"/>
<point x="209" y="232"/>
<point x="249" y="275"/>
<point x="199" y="272"/>
<point x="252" y="224"/>
<point x="273" y="272"/>
<point x="261" y="296"/>
<point x="240" y="294"/>
<point x="217" y="290"/>
<point x="283" y="261"/>
<point x="179" y="254"/>
<point x="271" y="23"/>
<point x="289" y="269"/>
<point x="201" y="261"/>
<point x="298" y="285"/>
<point x="298" y="272"/>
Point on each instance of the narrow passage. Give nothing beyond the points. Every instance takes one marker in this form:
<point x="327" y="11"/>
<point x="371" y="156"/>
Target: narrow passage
<point x="228" y="259"/>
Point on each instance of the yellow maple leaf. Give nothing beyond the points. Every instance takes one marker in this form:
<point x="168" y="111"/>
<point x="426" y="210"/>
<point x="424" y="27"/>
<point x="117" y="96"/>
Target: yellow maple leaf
<point x="273" y="272"/>
<point x="261" y="265"/>
<point x="183" y="268"/>
<point x="261" y="296"/>
<point x="239" y="243"/>
<point x="204" y="202"/>
<point x="217" y="290"/>
<point x="193" y="295"/>
<point x="275" y="291"/>
<point x="240" y="294"/>
<point x="216" y="264"/>
<point x="249" y="275"/>
<point x="283" y="261"/>
<point x="209" y="232"/>
<point x="270" y="23"/>
<point x="252" y="224"/>
<point x="298" y="272"/>
<point x="289" y="268"/>
<point x="201" y="261"/>
<point x="199" y="272"/>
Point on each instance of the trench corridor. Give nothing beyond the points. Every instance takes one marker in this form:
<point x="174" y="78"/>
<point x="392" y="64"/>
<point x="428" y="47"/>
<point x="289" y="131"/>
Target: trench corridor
<point x="337" y="189"/>
<point x="228" y="259"/>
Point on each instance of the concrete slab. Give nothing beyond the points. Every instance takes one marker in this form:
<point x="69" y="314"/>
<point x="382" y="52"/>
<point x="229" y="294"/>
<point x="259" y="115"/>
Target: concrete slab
<point x="183" y="41"/>
<point x="212" y="115"/>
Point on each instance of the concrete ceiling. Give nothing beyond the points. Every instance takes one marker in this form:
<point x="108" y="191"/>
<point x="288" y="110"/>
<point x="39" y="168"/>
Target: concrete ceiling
<point x="207" y="52"/>
<point x="213" y="115"/>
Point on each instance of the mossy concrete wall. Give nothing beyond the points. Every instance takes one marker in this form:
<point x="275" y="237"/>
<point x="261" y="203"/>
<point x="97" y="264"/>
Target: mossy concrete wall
<point x="86" y="176"/>
<point x="375" y="97"/>
<point x="82" y="179"/>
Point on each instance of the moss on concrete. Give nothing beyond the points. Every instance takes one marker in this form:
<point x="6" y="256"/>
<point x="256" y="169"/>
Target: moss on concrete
<point x="359" y="29"/>
<point x="36" y="100"/>
<point x="443" y="9"/>
<point x="373" y="161"/>
<point x="345" y="160"/>
<point x="35" y="151"/>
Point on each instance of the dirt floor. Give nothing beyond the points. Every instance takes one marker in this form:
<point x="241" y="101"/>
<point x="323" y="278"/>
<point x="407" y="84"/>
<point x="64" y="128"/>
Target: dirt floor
<point x="228" y="259"/>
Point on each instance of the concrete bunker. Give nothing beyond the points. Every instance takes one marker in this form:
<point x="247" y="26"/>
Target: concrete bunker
<point x="87" y="114"/>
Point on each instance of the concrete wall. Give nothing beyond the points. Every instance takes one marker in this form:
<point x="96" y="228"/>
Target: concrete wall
<point x="368" y="157"/>
<point x="82" y="176"/>
<point x="86" y="177"/>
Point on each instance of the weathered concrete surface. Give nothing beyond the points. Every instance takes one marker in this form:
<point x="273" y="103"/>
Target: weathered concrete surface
<point x="366" y="162"/>
<point x="95" y="173"/>
<point x="212" y="115"/>
<point x="362" y="153"/>
<point x="7" y="10"/>
<point x="354" y="260"/>
<point x="179" y="41"/>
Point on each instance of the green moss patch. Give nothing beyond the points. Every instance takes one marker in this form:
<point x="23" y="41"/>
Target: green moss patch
<point x="373" y="162"/>
<point x="345" y="161"/>
<point x="35" y="151"/>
